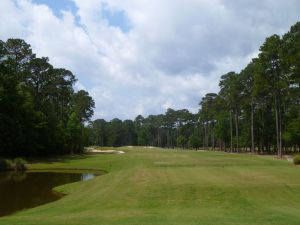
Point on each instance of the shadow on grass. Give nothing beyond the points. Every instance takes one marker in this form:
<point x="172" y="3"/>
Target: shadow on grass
<point x="56" y="159"/>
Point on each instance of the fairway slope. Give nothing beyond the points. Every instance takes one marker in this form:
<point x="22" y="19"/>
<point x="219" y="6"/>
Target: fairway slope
<point x="155" y="186"/>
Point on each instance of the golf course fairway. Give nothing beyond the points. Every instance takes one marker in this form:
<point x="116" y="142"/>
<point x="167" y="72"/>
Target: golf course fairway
<point x="171" y="187"/>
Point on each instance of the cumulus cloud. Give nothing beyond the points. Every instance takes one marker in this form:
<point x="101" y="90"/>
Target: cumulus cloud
<point x="141" y="57"/>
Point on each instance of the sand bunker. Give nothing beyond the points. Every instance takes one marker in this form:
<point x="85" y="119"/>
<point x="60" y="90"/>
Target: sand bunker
<point x="111" y="151"/>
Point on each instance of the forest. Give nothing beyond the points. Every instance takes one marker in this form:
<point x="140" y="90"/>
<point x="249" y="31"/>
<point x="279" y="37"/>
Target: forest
<point x="256" y="110"/>
<point x="40" y="112"/>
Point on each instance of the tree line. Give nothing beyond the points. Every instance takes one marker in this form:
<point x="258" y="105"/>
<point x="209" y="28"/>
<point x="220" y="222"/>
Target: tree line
<point x="256" y="110"/>
<point x="40" y="112"/>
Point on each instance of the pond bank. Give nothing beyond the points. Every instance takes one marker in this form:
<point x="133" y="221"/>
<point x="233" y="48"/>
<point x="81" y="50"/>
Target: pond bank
<point x="24" y="190"/>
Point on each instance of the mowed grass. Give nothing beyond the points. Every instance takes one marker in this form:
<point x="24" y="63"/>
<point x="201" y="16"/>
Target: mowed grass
<point x="154" y="186"/>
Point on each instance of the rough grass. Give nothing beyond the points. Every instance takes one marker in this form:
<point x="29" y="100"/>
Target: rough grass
<point x="151" y="186"/>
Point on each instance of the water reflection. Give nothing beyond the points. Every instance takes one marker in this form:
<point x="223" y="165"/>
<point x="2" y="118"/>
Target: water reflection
<point x="21" y="190"/>
<point x="87" y="176"/>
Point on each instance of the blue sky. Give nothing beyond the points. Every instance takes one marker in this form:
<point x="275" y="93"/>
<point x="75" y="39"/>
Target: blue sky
<point x="142" y="57"/>
<point x="58" y="5"/>
<point x="114" y="18"/>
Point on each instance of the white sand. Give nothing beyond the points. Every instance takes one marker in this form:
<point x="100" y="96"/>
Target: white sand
<point x="111" y="151"/>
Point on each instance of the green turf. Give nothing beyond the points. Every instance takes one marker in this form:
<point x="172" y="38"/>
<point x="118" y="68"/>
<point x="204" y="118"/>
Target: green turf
<point x="147" y="186"/>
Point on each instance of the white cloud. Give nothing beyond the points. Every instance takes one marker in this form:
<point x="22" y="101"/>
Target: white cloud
<point x="173" y="53"/>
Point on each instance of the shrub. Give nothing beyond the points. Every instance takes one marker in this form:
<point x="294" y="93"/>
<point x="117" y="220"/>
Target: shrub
<point x="5" y="165"/>
<point x="181" y="141"/>
<point x="20" y="164"/>
<point x="297" y="160"/>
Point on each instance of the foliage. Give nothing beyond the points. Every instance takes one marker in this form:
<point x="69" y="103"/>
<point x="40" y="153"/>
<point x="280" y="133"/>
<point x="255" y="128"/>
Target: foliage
<point x="194" y="141"/>
<point x="181" y="141"/>
<point x="5" y="164"/>
<point x="296" y="160"/>
<point x="37" y="102"/>
<point x="19" y="164"/>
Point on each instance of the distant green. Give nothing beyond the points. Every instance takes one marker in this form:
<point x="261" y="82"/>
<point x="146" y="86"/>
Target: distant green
<point x="155" y="186"/>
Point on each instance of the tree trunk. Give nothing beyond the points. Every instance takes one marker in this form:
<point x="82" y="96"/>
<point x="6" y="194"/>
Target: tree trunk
<point x="205" y="136"/>
<point x="230" y="131"/>
<point x="213" y="138"/>
<point x="168" y="138"/>
<point x="277" y="129"/>
<point x="252" y="127"/>
<point x="280" y="130"/>
<point x="236" y="130"/>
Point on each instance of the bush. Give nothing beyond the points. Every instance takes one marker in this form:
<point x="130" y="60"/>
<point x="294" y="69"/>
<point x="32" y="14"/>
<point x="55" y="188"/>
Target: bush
<point x="297" y="160"/>
<point x="17" y="164"/>
<point x="5" y="165"/>
<point x="20" y="164"/>
<point x="194" y="141"/>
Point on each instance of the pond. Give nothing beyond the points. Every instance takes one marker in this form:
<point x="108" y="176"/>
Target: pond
<point x="22" y="190"/>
